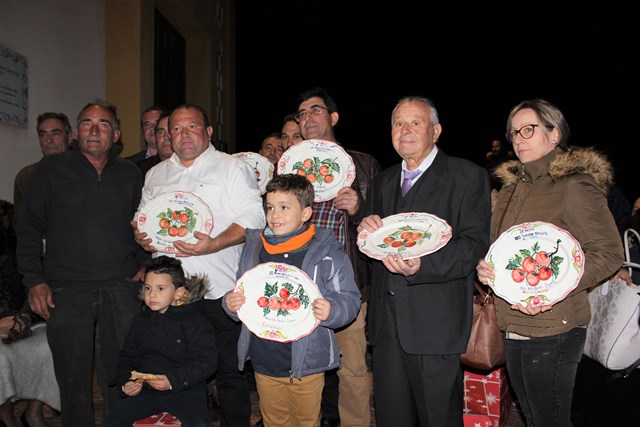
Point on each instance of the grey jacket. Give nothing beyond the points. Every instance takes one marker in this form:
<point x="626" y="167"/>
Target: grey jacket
<point x="327" y="265"/>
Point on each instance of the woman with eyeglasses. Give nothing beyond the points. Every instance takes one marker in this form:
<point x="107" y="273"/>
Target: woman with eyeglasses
<point x="553" y="183"/>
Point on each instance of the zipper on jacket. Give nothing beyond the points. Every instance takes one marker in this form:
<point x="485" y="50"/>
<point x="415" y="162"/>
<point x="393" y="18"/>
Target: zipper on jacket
<point x="290" y="377"/>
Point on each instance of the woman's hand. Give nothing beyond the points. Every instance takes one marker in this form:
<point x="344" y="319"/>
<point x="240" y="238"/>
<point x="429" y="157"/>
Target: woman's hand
<point x="532" y="310"/>
<point x="485" y="272"/>
<point x="622" y="276"/>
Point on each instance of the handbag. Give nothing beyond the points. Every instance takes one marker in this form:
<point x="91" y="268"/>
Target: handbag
<point x="486" y="346"/>
<point x="613" y="334"/>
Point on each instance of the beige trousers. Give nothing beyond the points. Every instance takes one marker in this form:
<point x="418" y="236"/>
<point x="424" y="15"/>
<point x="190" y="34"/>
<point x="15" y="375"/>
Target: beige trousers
<point x="290" y="404"/>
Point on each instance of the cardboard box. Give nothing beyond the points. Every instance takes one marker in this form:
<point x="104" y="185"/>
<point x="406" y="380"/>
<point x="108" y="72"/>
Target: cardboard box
<point x="163" y="419"/>
<point x="487" y="398"/>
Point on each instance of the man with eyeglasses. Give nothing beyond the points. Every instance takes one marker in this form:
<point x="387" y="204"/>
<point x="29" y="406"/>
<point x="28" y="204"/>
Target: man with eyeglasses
<point x="346" y="394"/>
<point x="228" y="185"/>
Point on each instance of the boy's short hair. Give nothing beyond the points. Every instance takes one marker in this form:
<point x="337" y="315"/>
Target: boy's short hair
<point x="299" y="185"/>
<point x="168" y="265"/>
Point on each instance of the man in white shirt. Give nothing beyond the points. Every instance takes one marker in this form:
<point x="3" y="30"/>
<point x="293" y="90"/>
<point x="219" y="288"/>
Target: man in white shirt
<point x="228" y="185"/>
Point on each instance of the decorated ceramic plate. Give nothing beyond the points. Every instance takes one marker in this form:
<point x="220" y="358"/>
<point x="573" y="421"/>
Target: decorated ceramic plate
<point x="172" y="216"/>
<point x="261" y="166"/>
<point x="279" y="298"/>
<point x="412" y="235"/>
<point x="324" y="163"/>
<point x="537" y="262"/>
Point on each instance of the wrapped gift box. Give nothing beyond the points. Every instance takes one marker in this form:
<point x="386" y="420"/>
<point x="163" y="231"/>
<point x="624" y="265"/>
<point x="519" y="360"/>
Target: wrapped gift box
<point x="163" y="419"/>
<point x="487" y="399"/>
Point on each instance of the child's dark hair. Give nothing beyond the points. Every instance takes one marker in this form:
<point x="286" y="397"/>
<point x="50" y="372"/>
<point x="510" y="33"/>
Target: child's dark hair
<point x="168" y="265"/>
<point x="299" y="185"/>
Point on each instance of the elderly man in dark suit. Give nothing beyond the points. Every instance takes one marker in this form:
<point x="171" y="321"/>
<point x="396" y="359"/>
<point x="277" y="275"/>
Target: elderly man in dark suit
<point x="420" y="309"/>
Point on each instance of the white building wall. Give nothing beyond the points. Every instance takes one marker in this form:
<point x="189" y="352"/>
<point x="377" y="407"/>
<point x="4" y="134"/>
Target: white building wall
<point x="63" y="41"/>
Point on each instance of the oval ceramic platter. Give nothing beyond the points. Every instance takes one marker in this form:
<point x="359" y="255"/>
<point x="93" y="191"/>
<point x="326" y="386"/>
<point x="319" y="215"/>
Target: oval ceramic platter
<point x="535" y="262"/>
<point x="412" y="235"/>
<point x="324" y="163"/>
<point x="261" y="166"/>
<point x="174" y="215"/>
<point x="278" y="306"/>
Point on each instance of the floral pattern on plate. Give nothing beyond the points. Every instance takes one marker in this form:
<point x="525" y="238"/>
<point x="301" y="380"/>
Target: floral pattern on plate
<point x="412" y="235"/>
<point x="326" y="164"/>
<point x="262" y="167"/>
<point x="535" y="262"/>
<point x="278" y="306"/>
<point x="174" y="215"/>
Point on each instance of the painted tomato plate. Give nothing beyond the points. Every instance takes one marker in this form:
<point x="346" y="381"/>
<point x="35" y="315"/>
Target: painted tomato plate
<point x="412" y="235"/>
<point x="261" y="166"/>
<point x="278" y="306"/>
<point x="535" y="262"/>
<point x="172" y="216"/>
<point x="326" y="164"/>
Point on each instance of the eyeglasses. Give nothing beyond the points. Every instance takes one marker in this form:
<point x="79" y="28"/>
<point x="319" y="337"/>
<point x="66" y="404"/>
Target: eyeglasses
<point x="315" y="110"/>
<point x="526" y="132"/>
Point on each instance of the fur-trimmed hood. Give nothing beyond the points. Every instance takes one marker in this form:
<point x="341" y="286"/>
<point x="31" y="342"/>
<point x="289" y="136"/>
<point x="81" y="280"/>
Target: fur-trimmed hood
<point x="196" y="286"/>
<point x="577" y="160"/>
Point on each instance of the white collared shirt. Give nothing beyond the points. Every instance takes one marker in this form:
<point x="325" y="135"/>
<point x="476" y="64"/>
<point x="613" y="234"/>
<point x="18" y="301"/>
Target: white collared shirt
<point x="229" y="186"/>
<point x="423" y="166"/>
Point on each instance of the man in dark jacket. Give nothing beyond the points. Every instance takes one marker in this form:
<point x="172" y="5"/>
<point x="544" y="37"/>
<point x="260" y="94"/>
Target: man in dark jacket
<point x="420" y="308"/>
<point x="83" y="278"/>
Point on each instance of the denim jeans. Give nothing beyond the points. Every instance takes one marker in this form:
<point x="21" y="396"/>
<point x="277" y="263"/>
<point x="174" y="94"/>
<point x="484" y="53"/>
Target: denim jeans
<point x="542" y="372"/>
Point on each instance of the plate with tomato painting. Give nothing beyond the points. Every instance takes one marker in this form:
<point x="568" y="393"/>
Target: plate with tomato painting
<point x="326" y="164"/>
<point x="172" y="216"/>
<point x="535" y="262"/>
<point x="278" y="306"/>
<point x="411" y="234"/>
<point x="262" y="167"/>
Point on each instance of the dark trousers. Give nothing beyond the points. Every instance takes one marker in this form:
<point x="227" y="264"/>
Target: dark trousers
<point x="603" y="399"/>
<point x="231" y="383"/>
<point x="189" y="406"/>
<point x="542" y="373"/>
<point x="330" y="394"/>
<point x="414" y="389"/>
<point x="83" y="321"/>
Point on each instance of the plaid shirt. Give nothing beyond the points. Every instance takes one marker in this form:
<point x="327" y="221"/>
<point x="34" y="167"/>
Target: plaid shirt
<point x="326" y="215"/>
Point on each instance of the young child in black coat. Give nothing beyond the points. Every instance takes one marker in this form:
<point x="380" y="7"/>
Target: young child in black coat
<point x="172" y="341"/>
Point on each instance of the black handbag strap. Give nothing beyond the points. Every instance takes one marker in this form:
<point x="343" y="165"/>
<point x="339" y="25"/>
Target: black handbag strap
<point x="624" y="373"/>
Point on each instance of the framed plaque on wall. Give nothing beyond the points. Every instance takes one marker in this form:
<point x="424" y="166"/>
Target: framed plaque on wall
<point x="14" y="88"/>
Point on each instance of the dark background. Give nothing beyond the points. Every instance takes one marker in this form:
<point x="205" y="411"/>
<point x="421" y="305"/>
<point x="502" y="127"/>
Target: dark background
<point x="475" y="64"/>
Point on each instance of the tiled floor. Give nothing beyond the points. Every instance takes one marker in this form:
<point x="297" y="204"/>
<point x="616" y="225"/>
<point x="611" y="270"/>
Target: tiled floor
<point x="54" y="420"/>
<point x="514" y="420"/>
